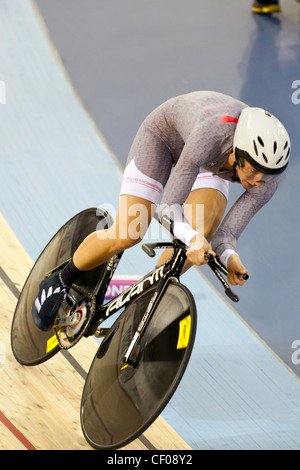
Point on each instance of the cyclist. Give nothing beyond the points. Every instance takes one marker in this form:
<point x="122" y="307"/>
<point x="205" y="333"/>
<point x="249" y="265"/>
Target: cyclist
<point x="210" y="139"/>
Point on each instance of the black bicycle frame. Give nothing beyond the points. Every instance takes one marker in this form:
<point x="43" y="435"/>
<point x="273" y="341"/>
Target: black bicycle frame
<point x="171" y="268"/>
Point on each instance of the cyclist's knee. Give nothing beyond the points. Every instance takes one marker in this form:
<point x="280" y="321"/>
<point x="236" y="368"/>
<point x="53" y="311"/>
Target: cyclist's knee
<point x="125" y="243"/>
<point x="121" y="241"/>
<point x="213" y="219"/>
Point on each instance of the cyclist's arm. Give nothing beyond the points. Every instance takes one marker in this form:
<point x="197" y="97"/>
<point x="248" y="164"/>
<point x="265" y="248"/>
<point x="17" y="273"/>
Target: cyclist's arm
<point x="250" y="202"/>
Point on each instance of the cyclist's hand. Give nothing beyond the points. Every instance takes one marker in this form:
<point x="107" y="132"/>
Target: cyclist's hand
<point x="199" y="246"/>
<point x="235" y="266"/>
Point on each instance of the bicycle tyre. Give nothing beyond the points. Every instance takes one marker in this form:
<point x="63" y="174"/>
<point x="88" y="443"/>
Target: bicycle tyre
<point x="29" y="344"/>
<point x="119" y="405"/>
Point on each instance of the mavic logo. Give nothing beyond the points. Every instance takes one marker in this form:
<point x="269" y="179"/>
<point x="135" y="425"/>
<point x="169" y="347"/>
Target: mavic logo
<point x="2" y="92"/>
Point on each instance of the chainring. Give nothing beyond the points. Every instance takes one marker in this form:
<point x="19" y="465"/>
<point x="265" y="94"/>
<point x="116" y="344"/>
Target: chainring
<point x="83" y="312"/>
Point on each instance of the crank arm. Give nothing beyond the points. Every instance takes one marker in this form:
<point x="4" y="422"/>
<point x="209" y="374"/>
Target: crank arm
<point x="62" y="321"/>
<point x="64" y="317"/>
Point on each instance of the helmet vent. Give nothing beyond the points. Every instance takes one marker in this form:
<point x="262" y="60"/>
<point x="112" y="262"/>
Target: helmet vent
<point x="275" y="147"/>
<point x="268" y="114"/>
<point x="288" y="153"/>
<point x="255" y="147"/>
<point x="286" y="144"/>
<point x="265" y="158"/>
<point x="278" y="161"/>
<point x="260" y="141"/>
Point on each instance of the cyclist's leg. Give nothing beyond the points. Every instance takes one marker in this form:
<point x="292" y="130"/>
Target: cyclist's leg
<point x="211" y="192"/>
<point x="132" y="221"/>
<point x="214" y="203"/>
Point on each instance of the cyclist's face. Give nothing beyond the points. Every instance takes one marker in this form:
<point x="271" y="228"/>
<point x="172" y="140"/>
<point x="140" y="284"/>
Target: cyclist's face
<point x="250" y="177"/>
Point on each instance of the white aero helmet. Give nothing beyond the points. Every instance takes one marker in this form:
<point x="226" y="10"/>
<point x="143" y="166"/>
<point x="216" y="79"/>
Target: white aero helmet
<point x="262" y="140"/>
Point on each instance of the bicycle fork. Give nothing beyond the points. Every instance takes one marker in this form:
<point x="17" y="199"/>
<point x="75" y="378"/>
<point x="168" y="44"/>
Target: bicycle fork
<point x="145" y="320"/>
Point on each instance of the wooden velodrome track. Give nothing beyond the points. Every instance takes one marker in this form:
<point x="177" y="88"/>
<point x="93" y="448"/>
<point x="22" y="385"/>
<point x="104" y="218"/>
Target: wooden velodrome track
<point x="39" y="406"/>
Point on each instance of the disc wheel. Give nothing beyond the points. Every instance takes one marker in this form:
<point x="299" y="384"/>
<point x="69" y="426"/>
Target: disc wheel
<point x="30" y="345"/>
<point x="119" y="402"/>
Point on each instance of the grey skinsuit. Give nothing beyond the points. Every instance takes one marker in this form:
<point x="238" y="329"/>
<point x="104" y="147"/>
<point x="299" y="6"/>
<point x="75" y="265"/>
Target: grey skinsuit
<point x="190" y="132"/>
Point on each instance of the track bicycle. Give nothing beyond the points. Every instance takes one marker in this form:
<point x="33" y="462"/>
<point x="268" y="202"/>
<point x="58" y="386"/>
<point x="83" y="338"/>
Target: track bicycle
<point x="142" y="356"/>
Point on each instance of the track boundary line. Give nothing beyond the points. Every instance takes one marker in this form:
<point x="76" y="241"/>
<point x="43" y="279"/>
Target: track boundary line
<point x="15" y="431"/>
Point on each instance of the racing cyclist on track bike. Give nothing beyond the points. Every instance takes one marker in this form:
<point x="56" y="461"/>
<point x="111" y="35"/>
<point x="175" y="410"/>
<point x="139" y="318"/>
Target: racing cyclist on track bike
<point x="210" y="139"/>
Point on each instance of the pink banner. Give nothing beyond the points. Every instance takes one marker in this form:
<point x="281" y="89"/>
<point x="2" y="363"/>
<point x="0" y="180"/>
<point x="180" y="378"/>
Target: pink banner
<point x="119" y="283"/>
